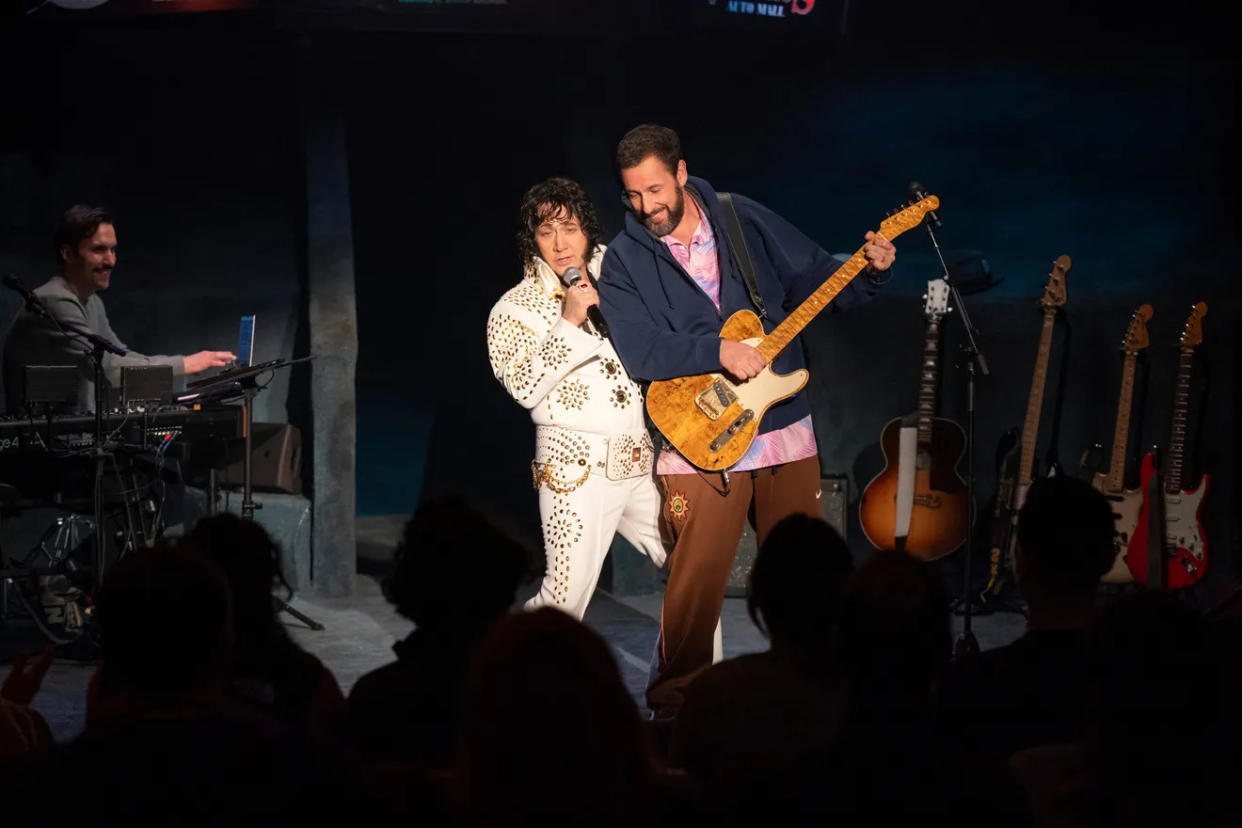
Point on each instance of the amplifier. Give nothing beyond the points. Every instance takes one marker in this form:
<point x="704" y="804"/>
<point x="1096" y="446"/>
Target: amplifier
<point x="833" y="500"/>
<point x="275" y="460"/>
<point x="145" y="384"/>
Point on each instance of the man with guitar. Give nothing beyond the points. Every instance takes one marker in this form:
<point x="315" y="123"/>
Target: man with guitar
<point x="669" y="280"/>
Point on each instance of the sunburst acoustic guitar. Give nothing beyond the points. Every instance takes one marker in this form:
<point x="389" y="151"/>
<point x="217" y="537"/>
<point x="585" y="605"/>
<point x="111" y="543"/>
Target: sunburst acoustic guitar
<point x="711" y="418"/>
<point x="918" y="503"/>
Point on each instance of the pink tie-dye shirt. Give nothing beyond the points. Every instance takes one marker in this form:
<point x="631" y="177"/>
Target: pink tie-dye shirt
<point x="795" y="441"/>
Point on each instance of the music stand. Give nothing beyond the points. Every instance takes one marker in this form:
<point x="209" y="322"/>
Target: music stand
<point x="243" y="383"/>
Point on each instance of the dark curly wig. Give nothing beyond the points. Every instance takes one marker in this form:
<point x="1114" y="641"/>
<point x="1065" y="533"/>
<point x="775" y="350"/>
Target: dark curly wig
<point x="548" y="199"/>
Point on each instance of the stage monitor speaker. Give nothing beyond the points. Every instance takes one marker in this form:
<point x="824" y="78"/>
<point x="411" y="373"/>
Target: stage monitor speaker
<point x="275" y="463"/>
<point x="833" y="500"/>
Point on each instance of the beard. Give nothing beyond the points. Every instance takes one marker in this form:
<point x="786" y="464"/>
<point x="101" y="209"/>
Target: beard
<point x="674" y="214"/>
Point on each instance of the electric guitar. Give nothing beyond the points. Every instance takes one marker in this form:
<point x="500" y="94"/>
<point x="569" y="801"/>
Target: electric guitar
<point x="711" y="418"/>
<point x="1127" y="503"/>
<point x="918" y="504"/>
<point x="1005" y="535"/>
<point x="1185" y="547"/>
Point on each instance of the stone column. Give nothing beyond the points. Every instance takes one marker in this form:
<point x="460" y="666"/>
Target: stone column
<point x="332" y="315"/>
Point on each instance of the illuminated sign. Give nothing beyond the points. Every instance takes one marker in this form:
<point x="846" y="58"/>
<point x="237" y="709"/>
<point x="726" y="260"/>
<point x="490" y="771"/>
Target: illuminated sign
<point x="766" y="8"/>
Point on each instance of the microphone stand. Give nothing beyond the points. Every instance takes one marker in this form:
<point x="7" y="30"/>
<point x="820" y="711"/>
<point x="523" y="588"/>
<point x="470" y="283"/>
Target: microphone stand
<point x="99" y="346"/>
<point x="966" y="643"/>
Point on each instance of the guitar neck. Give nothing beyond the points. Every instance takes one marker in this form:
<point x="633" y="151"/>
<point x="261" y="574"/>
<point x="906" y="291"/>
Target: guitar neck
<point x="1035" y="402"/>
<point x="929" y="380"/>
<point x="1177" y="433"/>
<point x="1117" y="465"/>
<point x="785" y="332"/>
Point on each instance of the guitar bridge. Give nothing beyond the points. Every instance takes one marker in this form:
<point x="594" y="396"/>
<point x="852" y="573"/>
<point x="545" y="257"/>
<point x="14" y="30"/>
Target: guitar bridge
<point x="734" y="427"/>
<point x="715" y="399"/>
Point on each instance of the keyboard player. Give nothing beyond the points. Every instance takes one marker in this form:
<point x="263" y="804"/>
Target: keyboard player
<point x="85" y="254"/>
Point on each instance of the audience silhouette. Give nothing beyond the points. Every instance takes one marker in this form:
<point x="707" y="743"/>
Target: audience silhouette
<point x="203" y="711"/>
<point x="454" y="575"/>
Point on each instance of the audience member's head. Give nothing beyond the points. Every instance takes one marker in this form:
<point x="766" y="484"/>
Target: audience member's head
<point x="250" y="562"/>
<point x="895" y="636"/>
<point x="454" y="572"/>
<point x="796" y="582"/>
<point x="550" y="730"/>
<point x="1065" y="539"/>
<point x="165" y="626"/>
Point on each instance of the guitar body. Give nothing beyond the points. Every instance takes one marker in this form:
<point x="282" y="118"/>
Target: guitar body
<point x="711" y="419"/>
<point x="1186" y="556"/>
<point x="940" y="511"/>
<point x="1127" y="508"/>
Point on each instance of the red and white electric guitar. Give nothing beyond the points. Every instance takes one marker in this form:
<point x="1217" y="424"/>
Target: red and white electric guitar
<point x="1185" y="547"/>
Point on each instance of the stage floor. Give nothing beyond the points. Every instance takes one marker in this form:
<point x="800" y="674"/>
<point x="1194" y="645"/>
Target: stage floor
<point x="360" y="629"/>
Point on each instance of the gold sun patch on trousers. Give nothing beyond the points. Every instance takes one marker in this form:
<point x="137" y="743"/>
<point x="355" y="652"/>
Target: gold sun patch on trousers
<point x="678" y="506"/>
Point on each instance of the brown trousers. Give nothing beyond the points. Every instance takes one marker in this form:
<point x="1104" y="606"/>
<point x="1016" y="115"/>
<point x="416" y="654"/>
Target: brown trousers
<point x="702" y="523"/>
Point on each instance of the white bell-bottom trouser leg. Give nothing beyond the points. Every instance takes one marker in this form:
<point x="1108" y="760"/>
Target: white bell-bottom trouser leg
<point x="578" y="528"/>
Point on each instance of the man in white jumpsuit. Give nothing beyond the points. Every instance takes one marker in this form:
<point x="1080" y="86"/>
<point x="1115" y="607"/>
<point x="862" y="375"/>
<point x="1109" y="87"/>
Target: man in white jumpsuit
<point x="593" y="454"/>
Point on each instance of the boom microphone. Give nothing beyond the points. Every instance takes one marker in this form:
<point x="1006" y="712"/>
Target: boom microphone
<point x="917" y="193"/>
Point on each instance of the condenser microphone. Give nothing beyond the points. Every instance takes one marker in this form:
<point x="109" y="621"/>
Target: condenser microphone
<point x="572" y="277"/>
<point x="917" y="193"/>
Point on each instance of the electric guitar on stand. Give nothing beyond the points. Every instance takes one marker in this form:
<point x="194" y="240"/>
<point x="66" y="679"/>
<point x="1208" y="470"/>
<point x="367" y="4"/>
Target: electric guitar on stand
<point x="711" y="418"/>
<point x="917" y="504"/>
<point x="1126" y="503"/>
<point x="1184" y="550"/>
<point x="1005" y="535"/>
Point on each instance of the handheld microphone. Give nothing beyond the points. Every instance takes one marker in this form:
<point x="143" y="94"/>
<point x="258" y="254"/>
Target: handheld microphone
<point x="917" y="192"/>
<point x="572" y="277"/>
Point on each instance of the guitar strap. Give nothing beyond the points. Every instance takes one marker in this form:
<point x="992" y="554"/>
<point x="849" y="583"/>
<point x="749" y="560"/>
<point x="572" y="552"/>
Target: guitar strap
<point x="740" y="253"/>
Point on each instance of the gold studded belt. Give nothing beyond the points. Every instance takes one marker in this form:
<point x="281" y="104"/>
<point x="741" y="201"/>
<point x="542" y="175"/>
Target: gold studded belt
<point x="566" y="457"/>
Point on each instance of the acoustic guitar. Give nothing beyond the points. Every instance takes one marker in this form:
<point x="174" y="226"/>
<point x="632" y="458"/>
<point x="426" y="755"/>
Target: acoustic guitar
<point x="712" y="418"/>
<point x="1185" y="546"/>
<point x="1126" y="503"/>
<point x="1006" y="536"/>
<point x="918" y="503"/>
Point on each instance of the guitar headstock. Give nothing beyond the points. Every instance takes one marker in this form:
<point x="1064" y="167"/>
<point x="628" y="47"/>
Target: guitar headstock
<point x="1192" y="334"/>
<point x="1136" y="333"/>
<point x="910" y="216"/>
<point x="937" y="300"/>
<point x="1055" y="293"/>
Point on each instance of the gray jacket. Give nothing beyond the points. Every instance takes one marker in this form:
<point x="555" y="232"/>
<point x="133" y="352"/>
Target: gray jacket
<point x="34" y="340"/>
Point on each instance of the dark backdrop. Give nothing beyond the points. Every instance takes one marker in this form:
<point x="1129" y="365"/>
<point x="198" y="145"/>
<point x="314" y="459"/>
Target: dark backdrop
<point x="1095" y="132"/>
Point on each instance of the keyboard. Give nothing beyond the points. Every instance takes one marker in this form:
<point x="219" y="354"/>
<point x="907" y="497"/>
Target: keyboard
<point x="143" y="430"/>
